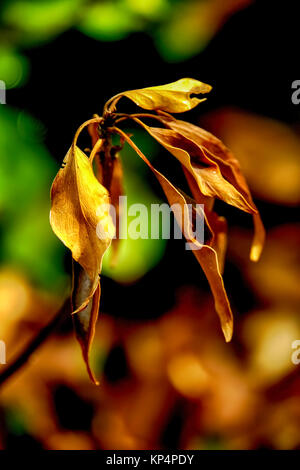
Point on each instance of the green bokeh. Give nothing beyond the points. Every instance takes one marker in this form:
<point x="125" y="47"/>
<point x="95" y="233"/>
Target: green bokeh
<point x="40" y="20"/>
<point x="137" y="257"/>
<point x="108" y="21"/>
<point x="14" y="67"/>
<point x="177" y="32"/>
<point x="26" y="172"/>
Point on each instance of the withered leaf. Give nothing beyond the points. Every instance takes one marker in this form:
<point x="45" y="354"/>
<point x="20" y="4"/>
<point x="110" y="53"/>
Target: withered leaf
<point x="218" y="242"/>
<point x="85" y="319"/>
<point x="116" y="190"/>
<point x="80" y="201"/>
<point x="194" y="187"/>
<point x="76" y="197"/>
<point x="206" y="255"/>
<point x="79" y="209"/>
<point x="229" y="167"/>
<point x="215" y="228"/>
<point x="173" y="97"/>
<point x="206" y="172"/>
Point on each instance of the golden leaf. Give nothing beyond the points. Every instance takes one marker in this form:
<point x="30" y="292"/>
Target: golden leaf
<point x="76" y="197"/>
<point x="80" y="218"/>
<point x="173" y="97"/>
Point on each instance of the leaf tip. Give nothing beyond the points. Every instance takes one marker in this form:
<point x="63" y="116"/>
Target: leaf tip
<point x="227" y="329"/>
<point x="256" y="250"/>
<point x="92" y="377"/>
<point x="255" y="253"/>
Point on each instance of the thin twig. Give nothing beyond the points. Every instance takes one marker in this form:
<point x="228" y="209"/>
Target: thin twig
<point x="34" y="344"/>
<point x="123" y="116"/>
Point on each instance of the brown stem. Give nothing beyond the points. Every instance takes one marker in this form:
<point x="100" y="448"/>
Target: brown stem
<point x="34" y="344"/>
<point x="106" y="161"/>
<point x="111" y="104"/>
<point x="96" y="149"/>
<point x="86" y="123"/>
<point x="122" y="117"/>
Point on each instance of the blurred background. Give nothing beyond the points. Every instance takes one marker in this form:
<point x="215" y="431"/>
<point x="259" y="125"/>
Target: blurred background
<point x="168" y="380"/>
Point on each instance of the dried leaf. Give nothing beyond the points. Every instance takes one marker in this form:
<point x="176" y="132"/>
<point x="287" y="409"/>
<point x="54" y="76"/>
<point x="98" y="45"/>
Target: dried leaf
<point x="93" y="132"/>
<point x="215" y="229"/>
<point x="76" y="196"/>
<point x="172" y="97"/>
<point x="218" y="226"/>
<point x="77" y="214"/>
<point x="116" y="190"/>
<point x="229" y="167"/>
<point x="85" y="319"/>
<point x="206" y="255"/>
<point x="194" y="187"/>
<point x="206" y="172"/>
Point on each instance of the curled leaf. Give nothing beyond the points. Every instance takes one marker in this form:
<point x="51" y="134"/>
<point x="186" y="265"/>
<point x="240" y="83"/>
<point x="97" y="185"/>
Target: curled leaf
<point x="199" y="197"/>
<point x="205" y="171"/>
<point x="84" y="320"/>
<point x="229" y="167"/>
<point x="215" y="229"/>
<point x="173" y="97"/>
<point x="218" y="227"/>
